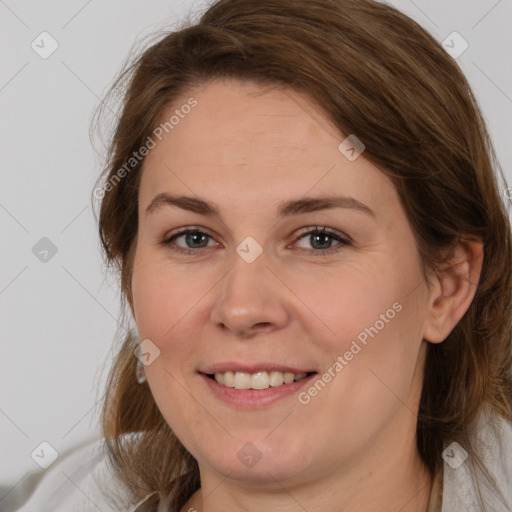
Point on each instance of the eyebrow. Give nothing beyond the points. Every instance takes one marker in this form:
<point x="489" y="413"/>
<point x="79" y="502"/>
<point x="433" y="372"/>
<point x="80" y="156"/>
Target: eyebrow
<point x="288" y="208"/>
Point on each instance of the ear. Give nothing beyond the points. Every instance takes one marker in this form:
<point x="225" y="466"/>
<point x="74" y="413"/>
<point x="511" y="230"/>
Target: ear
<point x="453" y="289"/>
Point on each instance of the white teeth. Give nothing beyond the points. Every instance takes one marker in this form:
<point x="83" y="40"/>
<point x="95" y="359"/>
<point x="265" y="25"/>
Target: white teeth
<point x="242" y="380"/>
<point x="288" y="377"/>
<point x="258" y="380"/>
<point x="229" y="379"/>
<point x="276" y="379"/>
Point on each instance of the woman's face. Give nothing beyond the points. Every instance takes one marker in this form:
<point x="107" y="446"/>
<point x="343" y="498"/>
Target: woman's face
<point x="303" y="262"/>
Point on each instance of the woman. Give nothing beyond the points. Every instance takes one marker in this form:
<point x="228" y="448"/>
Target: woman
<point x="301" y="204"/>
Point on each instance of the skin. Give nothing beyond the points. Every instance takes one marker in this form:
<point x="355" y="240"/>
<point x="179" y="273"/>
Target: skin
<point x="353" y="446"/>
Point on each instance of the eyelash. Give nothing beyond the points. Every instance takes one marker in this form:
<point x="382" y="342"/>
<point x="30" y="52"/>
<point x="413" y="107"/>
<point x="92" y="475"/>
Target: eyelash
<point x="343" y="240"/>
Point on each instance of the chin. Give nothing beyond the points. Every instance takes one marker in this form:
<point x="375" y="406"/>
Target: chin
<point x="258" y="461"/>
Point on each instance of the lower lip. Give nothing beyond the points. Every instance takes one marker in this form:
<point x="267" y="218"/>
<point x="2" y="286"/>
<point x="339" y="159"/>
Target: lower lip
<point x="254" y="398"/>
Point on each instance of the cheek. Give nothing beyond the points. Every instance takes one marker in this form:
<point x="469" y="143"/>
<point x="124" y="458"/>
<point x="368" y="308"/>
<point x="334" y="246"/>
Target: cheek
<point x="163" y="296"/>
<point x="352" y="303"/>
<point x="369" y="322"/>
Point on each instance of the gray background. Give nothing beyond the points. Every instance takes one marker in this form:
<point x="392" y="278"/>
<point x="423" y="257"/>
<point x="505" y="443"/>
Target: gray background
<point x="58" y="318"/>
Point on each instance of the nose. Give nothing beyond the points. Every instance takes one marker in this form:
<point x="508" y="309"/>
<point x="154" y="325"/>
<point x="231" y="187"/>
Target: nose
<point x="250" y="300"/>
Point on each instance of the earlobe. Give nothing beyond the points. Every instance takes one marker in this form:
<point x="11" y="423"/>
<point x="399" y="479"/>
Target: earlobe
<point x="454" y="290"/>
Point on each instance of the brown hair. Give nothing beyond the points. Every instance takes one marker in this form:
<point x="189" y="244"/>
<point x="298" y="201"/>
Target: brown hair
<point x="382" y="77"/>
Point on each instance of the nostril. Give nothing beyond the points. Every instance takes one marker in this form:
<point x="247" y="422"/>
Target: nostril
<point x="262" y="324"/>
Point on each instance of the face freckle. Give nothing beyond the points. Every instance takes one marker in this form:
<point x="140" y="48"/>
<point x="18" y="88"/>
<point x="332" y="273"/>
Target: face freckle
<point x="289" y="307"/>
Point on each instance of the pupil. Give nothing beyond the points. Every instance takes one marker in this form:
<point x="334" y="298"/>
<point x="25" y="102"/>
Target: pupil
<point x="191" y="238"/>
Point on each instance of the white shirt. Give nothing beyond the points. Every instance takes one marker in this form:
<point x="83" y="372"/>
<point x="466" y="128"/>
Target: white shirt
<point x="83" y="481"/>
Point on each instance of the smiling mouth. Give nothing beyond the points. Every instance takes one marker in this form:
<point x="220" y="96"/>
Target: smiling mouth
<point x="258" y="381"/>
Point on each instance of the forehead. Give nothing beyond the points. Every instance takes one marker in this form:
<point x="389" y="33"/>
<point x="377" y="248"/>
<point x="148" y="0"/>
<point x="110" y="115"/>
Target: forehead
<point x="242" y="139"/>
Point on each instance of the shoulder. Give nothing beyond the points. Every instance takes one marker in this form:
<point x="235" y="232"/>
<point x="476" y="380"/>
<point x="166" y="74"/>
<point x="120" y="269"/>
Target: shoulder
<point x="82" y="481"/>
<point x="463" y="484"/>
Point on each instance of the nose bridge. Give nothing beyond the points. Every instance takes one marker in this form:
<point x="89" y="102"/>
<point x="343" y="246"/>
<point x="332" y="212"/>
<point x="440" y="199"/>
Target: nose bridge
<point x="250" y="298"/>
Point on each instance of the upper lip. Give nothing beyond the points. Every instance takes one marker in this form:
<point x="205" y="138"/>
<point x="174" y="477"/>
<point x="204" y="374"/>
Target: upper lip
<point x="254" y="368"/>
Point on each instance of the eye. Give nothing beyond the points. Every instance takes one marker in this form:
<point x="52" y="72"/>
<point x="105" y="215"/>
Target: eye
<point x="193" y="238"/>
<point x="321" y="239"/>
